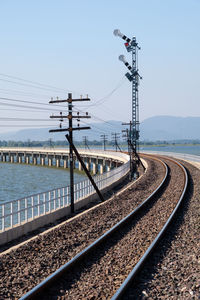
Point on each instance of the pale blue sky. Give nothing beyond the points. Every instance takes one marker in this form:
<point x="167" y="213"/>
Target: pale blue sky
<point x="70" y="44"/>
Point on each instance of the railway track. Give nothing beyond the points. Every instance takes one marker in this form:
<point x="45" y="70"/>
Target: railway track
<point x="105" y="268"/>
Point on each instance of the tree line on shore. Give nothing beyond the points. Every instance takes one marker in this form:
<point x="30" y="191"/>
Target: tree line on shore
<point x="50" y="143"/>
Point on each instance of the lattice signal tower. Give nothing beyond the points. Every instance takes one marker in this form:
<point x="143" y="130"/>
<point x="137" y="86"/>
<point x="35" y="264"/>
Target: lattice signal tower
<point x="133" y="76"/>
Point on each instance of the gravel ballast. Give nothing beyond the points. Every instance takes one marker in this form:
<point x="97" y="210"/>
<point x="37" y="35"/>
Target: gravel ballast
<point x="26" y="266"/>
<point x="173" y="271"/>
<point x="100" y="275"/>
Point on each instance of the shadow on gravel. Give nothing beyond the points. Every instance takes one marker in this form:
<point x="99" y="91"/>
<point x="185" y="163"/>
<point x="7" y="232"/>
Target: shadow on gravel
<point x="149" y="270"/>
<point x="69" y="279"/>
<point x="32" y="234"/>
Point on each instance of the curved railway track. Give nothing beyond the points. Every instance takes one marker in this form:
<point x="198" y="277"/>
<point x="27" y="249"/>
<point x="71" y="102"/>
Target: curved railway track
<point x="104" y="269"/>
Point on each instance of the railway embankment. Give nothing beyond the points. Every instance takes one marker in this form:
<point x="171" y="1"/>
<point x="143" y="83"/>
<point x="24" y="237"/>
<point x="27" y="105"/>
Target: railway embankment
<point x="24" y="267"/>
<point x="171" y="273"/>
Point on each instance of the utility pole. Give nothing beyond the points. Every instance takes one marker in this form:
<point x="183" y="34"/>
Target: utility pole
<point x="115" y="137"/>
<point x="70" y="129"/>
<point x="85" y="142"/>
<point x="133" y="76"/>
<point x="104" y="138"/>
<point x="50" y="143"/>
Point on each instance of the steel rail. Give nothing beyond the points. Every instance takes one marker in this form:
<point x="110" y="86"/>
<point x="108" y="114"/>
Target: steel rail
<point x="132" y="275"/>
<point x="33" y="293"/>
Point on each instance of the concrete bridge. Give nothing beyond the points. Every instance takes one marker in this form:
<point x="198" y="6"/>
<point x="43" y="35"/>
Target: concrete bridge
<point x="17" y="217"/>
<point x="96" y="161"/>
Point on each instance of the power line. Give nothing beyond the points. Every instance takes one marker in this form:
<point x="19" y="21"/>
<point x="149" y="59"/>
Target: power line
<point x="22" y="119"/>
<point x="98" y="130"/>
<point x="29" y="125"/>
<point x="97" y="118"/>
<point x="24" y="110"/>
<point x="24" y="101"/>
<point x="102" y="100"/>
<point x="29" y="85"/>
<point x="26" y="106"/>
<point x="33" y="82"/>
<point x="31" y="102"/>
<point x="23" y="93"/>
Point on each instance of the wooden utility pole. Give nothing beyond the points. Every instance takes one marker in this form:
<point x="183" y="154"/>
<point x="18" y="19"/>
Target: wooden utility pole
<point x="70" y="129"/>
<point x="85" y="142"/>
<point x="104" y="139"/>
<point x="115" y="137"/>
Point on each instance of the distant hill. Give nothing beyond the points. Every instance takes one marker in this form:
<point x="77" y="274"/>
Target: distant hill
<point x="152" y="129"/>
<point x="170" y="128"/>
<point x="42" y="134"/>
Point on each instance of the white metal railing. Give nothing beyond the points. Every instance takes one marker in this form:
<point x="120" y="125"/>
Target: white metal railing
<point x="16" y="212"/>
<point x="184" y="156"/>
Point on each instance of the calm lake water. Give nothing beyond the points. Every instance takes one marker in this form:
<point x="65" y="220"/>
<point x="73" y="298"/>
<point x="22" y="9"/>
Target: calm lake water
<point x="18" y="181"/>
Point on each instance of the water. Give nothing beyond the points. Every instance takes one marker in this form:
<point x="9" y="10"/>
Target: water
<point x="188" y="149"/>
<point x="18" y="181"/>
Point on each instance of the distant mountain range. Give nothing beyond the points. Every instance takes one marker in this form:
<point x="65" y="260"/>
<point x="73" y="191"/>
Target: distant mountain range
<point x="170" y="128"/>
<point x="151" y="129"/>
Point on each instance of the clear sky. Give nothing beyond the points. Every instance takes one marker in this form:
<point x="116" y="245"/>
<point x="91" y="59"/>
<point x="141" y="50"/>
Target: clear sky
<point x="70" y="45"/>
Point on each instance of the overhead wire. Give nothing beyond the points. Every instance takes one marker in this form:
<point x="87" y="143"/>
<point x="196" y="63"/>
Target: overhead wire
<point x="24" y="110"/>
<point x="28" y="125"/>
<point x="97" y="128"/>
<point x="26" y="106"/>
<point x="42" y="86"/>
<point x="24" y="119"/>
<point x="102" y="100"/>
<point x="22" y="93"/>
<point x="26" y="101"/>
<point x="47" y="87"/>
<point x="97" y="118"/>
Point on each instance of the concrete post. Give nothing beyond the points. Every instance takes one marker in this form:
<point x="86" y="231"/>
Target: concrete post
<point x="35" y="160"/>
<point x="65" y="163"/>
<point x="101" y="169"/>
<point x="27" y="159"/>
<point x="79" y="166"/>
<point x="87" y="165"/>
<point x="49" y="161"/>
<point x="42" y="161"/>
<point x="94" y="168"/>
<point x="57" y="162"/>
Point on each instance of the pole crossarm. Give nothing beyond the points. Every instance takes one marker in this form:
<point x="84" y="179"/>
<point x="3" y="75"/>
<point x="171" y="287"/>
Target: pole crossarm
<point x="70" y="117"/>
<point x="69" y="129"/>
<point x="69" y="100"/>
